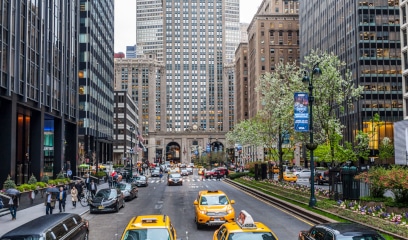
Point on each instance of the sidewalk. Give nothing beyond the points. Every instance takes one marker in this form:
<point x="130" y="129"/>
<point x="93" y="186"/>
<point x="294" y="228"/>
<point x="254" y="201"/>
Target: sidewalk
<point x="28" y="214"/>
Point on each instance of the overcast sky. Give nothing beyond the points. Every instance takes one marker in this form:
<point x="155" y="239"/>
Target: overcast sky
<point x="125" y="20"/>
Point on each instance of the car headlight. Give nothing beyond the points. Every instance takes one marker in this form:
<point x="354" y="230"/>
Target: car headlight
<point x="203" y="212"/>
<point x="229" y="211"/>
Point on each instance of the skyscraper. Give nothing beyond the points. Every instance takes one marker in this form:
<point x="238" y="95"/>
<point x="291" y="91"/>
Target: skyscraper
<point x="131" y="51"/>
<point x="365" y="35"/>
<point x="149" y="28"/>
<point x="96" y="73"/>
<point x="191" y="40"/>
<point x="38" y="88"/>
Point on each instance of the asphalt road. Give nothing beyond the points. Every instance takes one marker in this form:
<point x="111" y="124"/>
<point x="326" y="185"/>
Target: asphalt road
<point x="177" y="202"/>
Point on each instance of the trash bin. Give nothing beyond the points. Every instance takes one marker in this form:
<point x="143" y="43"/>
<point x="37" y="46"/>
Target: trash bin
<point x="335" y="187"/>
<point x="351" y="187"/>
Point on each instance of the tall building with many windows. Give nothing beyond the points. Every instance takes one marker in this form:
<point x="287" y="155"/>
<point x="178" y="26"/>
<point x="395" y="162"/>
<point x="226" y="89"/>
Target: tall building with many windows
<point x="365" y="35"/>
<point x="131" y="51"/>
<point x="193" y="100"/>
<point x="149" y="28"/>
<point x="273" y="37"/>
<point x="96" y="74"/>
<point x="38" y="88"/>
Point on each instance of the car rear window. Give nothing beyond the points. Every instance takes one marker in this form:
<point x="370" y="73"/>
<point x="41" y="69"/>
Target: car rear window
<point x="152" y="233"/>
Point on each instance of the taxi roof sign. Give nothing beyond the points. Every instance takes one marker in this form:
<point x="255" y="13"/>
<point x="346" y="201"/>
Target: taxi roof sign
<point x="149" y="220"/>
<point x="245" y="220"/>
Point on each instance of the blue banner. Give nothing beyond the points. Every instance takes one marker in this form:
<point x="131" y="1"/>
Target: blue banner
<point x="301" y="112"/>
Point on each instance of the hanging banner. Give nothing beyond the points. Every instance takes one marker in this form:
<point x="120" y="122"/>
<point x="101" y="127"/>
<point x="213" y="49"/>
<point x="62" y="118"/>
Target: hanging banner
<point x="301" y="112"/>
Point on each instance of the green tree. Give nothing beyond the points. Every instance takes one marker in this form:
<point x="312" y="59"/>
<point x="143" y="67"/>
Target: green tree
<point x="362" y="149"/>
<point x="386" y="150"/>
<point x="333" y="90"/>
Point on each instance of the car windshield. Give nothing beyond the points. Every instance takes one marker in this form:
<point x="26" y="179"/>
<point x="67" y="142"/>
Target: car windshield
<point x="214" y="200"/>
<point x="251" y="235"/>
<point x="177" y="175"/>
<point x="106" y="193"/>
<point x="143" y="234"/>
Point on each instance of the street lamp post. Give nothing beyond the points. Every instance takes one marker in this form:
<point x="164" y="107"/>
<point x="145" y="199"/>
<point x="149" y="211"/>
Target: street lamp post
<point x="131" y="150"/>
<point x="210" y="151"/>
<point x="311" y="146"/>
<point x="280" y="152"/>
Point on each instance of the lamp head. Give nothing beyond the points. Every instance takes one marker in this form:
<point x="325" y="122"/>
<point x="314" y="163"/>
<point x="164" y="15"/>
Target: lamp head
<point x="306" y="79"/>
<point x="317" y="71"/>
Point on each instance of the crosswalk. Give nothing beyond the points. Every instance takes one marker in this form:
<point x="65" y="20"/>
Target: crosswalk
<point x="153" y="180"/>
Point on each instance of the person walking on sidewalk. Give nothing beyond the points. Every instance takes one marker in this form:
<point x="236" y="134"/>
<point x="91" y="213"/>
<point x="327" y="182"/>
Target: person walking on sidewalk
<point x="13" y="205"/>
<point x="62" y="197"/>
<point x="93" y="188"/>
<point x="49" y="203"/>
<point x="74" y="196"/>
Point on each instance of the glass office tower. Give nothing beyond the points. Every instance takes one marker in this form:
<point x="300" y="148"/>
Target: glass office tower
<point x="38" y="88"/>
<point x="366" y="35"/>
<point x="96" y="81"/>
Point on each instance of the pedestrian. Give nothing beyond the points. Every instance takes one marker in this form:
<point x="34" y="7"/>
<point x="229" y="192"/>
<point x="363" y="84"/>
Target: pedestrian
<point x="88" y="181"/>
<point x="110" y="181"/>
<point x="62" y="197"/>
<point x="13" y="205"/>
<point x="74" y="196"/>
<point x="78" y="187"/>
<point x="69" y="173"/>
<point x="93" y="188"/>
<point x="218" y="175"/>
<point x="49" y="202"/>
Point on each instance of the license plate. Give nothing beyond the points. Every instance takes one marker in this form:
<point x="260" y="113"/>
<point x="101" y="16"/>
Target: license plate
<point x="101" y="207"/>
<point x="216" y="219"/>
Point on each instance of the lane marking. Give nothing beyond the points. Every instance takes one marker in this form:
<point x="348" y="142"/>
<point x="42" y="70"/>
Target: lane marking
<point x="279" y="208"/>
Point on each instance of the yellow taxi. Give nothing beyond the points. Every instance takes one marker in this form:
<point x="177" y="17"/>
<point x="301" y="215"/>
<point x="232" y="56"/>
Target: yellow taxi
<point x="289" y="177"/>
<point x="244" y="228"/>
<point x="213" y="208"/>
<point x="158" y="227"/>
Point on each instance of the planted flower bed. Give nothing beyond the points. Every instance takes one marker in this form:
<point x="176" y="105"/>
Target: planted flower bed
<point x="391" y="219"/>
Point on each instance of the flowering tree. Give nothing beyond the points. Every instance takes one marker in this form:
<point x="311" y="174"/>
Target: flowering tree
<point x="333" y="90"/>
<point x="386" y="149"/>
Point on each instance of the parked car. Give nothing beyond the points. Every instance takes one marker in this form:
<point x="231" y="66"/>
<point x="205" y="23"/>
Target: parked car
<point x="49" y="227"/>
<point x="129" y="190"/>
<point x="174" y="179"/>
<point x="107" y="199"/>
<point x="303" y="173"/>
<point x="344" y="231"/>
<point x="141" y="181"/>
